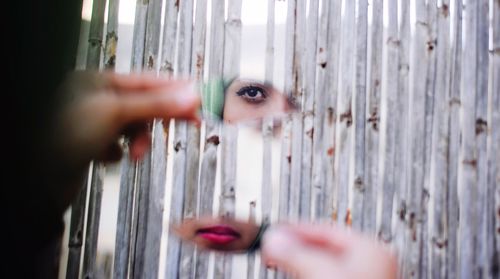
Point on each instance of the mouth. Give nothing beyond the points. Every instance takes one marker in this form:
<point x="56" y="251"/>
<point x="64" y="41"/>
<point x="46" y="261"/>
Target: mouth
<point x="220" y="234"/>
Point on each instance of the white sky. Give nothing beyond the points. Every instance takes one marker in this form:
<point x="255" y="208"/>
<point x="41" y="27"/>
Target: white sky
<point x="253" y="11"/>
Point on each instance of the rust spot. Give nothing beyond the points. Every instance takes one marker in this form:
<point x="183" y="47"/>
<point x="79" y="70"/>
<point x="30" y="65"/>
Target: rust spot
<point x="412" y="217"/>
<point x="440" y="244"/>
<point x="481" y="126"/>
<point x="348" y="218"/>
<point x="431" y="45"/>
<point x="151" y="62"/>
<point x="177" y="146"/>
<point x="323" y="65"/>
<point x="199" y="61"/>
<point x="495" y="51"/>
<point x="394" y="42"/>
<point x="111" y="62"/>
<point x="404" y="68"/>
<point x="455" y="101"/>
<point x="297" y="91"/>
<point x="422" y="23"/>
<point x="331" y="117"/>
<point x="445" y="10"/>
<point x="166" y="124"/>
<point x="167" y="68"/>
<point x="498" y="230"/>
<point x="111" y="43"/>
<point x="402" y="211"/>
<point x="334" y="215"/>
<point x="377" y="82"/>
<point x="472" y="163"/>
<point x="347" y="116"/>
<point x="374" y="119"/>
<point x="310" y="133"/>
<point x="331" y="151"/>
<point x="383" y="238"/>
<point x="289" y="159"/>
<point x="213" y="140"/>
<point x="358" y="184"/>
<point x="412" y="225"/>
<point x="426" y="195"/>
<point x="177" y="4"/>
<point x="253" y="203"/>
<point x="321" y="50"/>
<point x="293" y="99"/>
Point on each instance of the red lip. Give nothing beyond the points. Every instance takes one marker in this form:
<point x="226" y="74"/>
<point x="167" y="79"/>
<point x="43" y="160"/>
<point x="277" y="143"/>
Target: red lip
<point x="220" y="234"/>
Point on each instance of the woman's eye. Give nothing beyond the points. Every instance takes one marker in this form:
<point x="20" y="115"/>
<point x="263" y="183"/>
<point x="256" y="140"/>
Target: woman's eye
<point x="252" y="94"/>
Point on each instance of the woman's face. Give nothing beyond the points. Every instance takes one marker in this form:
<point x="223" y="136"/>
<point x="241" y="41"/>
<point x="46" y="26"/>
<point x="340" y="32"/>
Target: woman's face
<point x="242" y="101"/>
<point x="247" y="100"/>
<point x="218" y="233"/>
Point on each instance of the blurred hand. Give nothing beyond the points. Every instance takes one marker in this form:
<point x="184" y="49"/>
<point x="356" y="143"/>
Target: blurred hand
<point x="320" y="251"/>
<point x="105" y="106"/>
<point x="98" y="108"/>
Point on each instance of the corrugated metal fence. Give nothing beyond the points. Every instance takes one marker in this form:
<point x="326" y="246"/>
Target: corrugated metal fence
<point x="399" y="134"/>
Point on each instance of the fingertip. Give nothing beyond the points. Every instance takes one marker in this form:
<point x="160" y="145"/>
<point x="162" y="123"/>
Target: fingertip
<point x="334" y="238"/>
<point x="139" y="146"/>
<point x="277" y="244"/>
<point x="135" y="154"/>
<point x="188" y="98"/>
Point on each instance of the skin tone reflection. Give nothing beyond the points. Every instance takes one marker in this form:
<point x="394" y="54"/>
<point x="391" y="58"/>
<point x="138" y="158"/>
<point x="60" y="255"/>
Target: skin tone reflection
<point x="220" y="234"/>
<point x="248" y="100"/>
<point x="306" y="250"/>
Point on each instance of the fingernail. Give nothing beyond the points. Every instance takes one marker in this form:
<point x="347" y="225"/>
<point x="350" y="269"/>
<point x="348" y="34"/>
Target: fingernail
<point x="278" y="243"/>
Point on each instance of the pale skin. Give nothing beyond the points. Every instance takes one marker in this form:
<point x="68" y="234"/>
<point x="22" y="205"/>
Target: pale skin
<point x="322" y="251"/>
<point x="247" y="100"/>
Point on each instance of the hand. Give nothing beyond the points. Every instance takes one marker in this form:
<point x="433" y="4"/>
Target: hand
<point x="106" y="106"/>
<point x="320" y="251"/>
<point x="98" y="108"/>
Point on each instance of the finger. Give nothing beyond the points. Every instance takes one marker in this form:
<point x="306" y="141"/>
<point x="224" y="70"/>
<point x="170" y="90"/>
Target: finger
<point x="177" y="102"/>
<point x="140" y="82"/>
<point x="346" y="244"/>
<point x="288" y="252"/>
<point x="139" y="141"/>
<point x="138" y="138"/>
<point x="335" y="239"/>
